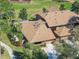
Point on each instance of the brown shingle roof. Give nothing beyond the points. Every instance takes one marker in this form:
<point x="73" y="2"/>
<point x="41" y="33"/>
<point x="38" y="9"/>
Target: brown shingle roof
<point x="71" y="1"/>
<point x="36" y="31"/>
<point x="62" y="31"/>
<point x="43" y="34"/>
<point x="57" y="18"/>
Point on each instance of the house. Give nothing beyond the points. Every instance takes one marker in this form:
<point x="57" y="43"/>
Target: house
<point x="50" y="26"/>
<point x="71" y="1"/>
<point x="58" y="18"/>
<point x="20" y="0"/>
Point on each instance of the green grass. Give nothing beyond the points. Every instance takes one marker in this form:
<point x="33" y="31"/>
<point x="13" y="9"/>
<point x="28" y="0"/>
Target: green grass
<point x="5" y="39"/>
<point x="77" y="0"/>
<point x="35" y="6"/>
<point x="5" y="55"/>
<point x="68" y="5"/>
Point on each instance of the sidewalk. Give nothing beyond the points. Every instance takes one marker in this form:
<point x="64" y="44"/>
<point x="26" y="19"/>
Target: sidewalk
<point x="10" y="51"/>
<point x="50" y="50"/>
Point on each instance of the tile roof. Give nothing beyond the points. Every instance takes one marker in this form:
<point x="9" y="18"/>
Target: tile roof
<point x="71" y="1"/>
<point x="36" y="31"/>
<point x="58" y="18"/>
<point x="62" y="31"/>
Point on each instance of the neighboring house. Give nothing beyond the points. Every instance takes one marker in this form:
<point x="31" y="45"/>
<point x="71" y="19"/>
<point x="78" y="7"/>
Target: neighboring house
<point x="50" y="26"/>
<point x="20" y="0"/>
<point x="70" y="1"/>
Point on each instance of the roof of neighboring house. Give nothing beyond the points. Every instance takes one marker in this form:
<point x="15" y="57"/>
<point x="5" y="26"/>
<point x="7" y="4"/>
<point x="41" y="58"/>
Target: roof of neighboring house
<point x="62" y="31"/>
<point x="36" y="31"/>
<point x="71" y="1"/>
<point x="19" y="0"/>
<point x="57" y="18"/>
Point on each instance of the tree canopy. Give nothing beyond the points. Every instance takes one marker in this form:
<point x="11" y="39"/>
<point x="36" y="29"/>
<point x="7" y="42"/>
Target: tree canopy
<point x="5" y="5"/>
<point x="75" y="7"/>
<point x="23" y="14"/>
<point x="32" y="51"/>
<point x="66" y="51"/>
<point x="62" y="7"/>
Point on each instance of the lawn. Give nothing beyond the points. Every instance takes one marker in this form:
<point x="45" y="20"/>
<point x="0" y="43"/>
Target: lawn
<point x="67" y="5"/>
<point x="34" y="6"/>
<point x="77" y="0"/>
<point x="37" y="5"/>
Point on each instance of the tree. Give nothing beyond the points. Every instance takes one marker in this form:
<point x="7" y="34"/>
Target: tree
<point x="23" y="14"/>
<point x="4" y="25"/>
<point x="58" y="0"/>
<point x="19" y="55"/>
<point x="5" y="5"/>
<point x="66" y="51"/>
<point x="39" y="54"/>
<point x="62" y="7"/>
<point x="28" y="54"/>
<point x="31" y="51"/>
<point x="6" y="10"/>
<point x="44" y="10"/>
<point x="6" y="13"/>
<point x="77" y="57"/>
<point x="75" y="7"/>
<point x="34" y="52"/>
<point x="5" y="16"/>
<point x="11" y="14"/>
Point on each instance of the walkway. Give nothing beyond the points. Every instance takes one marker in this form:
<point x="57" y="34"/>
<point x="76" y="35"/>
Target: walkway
<point x="50" y="50"/>
<point x="10" y="51"/>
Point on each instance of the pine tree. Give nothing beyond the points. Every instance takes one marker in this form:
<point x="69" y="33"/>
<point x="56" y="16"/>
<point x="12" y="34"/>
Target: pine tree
<point x="23" y="14"/>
